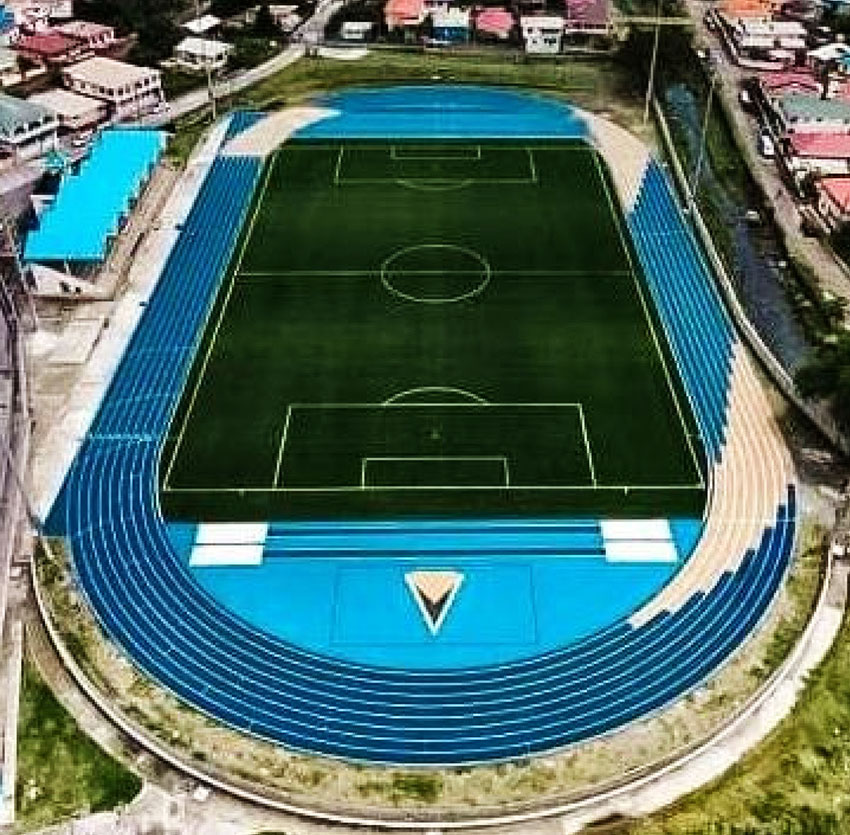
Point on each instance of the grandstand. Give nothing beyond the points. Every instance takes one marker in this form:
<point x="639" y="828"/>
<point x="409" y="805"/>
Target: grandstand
<point x="148" y="598"/>
<point x="104" y="190"/>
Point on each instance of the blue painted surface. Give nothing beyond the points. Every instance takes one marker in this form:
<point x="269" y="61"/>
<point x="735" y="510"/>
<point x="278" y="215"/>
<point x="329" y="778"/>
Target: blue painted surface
<point x="134" y="572"/>
<point x="359" y="609"/>
<point x="697" y="324"/>
<point x="441" y="111"/>
<point x="102" y="192"/>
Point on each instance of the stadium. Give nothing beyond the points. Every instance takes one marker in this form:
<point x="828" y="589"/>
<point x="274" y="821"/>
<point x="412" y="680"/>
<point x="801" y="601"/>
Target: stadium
<point x="435" y="444"/>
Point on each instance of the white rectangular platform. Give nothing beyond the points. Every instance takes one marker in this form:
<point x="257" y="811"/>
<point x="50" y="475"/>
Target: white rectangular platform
<point x="223" y="555"/>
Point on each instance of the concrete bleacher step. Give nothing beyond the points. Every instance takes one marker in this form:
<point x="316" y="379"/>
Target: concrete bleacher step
<point x="444" y="537"/>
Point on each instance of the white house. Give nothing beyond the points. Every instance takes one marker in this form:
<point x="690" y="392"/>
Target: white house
<point x="203" y="24"/>
<point x="130" y="91"/>
<point x="542" y="34"/>
<point x="201" y="54"/>
<point x="74" y="112"/>
<point x="356" y="30"/>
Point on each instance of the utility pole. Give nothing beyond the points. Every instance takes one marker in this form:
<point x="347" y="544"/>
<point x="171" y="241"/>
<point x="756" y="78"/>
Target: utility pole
<point x="695" y="180"/>
<point x="650" y="84"/>
<point x="210" y="87"/>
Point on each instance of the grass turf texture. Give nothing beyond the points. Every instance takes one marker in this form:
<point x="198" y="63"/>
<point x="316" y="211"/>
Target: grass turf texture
<point x="61" y="772"/>
<point x="432" y="328"/>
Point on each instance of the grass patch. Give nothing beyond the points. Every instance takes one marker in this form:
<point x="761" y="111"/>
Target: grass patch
<point x="61" y="771"/>
<point x="586" y="82"/>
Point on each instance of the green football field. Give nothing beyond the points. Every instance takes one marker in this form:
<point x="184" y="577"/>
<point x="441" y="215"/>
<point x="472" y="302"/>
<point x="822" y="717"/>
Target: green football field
<point x="421" y="328"/>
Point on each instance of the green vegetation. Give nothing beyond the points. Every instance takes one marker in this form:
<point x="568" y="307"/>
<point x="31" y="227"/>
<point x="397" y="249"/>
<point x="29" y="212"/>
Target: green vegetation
<point x="61" y="772"/>
<point x="583" y="82"/>
<point x="796" y="782"/>
<point x="152" y="22"/>
<point x="371" y="271"/>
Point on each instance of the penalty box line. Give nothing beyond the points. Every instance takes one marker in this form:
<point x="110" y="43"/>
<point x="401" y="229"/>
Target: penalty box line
<point x="532" y="179"/>
<point x="284" y="436"/>
<point x="501" y="459"/>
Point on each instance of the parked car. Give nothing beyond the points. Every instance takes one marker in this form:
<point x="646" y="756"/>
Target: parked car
<point x="766" y="146"/>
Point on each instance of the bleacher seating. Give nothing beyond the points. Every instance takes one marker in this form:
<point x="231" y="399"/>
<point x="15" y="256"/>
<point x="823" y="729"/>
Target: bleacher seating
<point x="681" y="284"/>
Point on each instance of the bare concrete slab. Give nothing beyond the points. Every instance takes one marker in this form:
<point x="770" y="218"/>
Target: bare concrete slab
<point x="76" y="342"/>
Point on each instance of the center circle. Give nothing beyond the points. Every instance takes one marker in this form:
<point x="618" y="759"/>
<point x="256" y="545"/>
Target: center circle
<point x="435" y="273"/>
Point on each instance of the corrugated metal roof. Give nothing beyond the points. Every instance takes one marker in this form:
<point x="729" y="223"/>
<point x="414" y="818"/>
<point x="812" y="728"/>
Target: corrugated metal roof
<point x="813" y="109"/>
<point x="838" y="189"/>
<point x="821" y="145"/>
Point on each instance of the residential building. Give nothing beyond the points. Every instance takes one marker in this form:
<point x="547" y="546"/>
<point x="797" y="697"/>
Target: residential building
<point x="36" y="15"/>
<point x="97" y="36"/>
<point x="735" y="10"/>
<point x="10" y="71"/>
<point x="818" y="154"/>
<point x="807" y="114"/>
<point x="757" y="39"/>
<point x="285" y="16"/>
<point x="130" y="91"/>
<point x="203" y="25"/>
<point x="831" y="57"/>
<point x="9" y="31"/>
<point x="356" y="30"/>
<point x="27" y="130"/>
<point x="52" y="48"/>
<point x="542" y="34"/>
<point x="400" y="14"/>
<point x="587" y="17"/>
<point x="833" y="200"/>
<point x="73" y="111"/>
<point x="452" y="25"/>
<point x="495" y="22"/>
<point x="202" y="54"/>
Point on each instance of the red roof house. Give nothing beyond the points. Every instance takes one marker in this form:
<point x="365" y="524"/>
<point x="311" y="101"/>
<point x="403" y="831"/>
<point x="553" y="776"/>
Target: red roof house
<point x="50" y="47"/>
<point x="834" y="200"/>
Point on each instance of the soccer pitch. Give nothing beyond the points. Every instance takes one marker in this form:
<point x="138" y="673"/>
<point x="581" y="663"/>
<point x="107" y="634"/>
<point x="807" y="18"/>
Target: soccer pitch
<point x="432" y="328"/>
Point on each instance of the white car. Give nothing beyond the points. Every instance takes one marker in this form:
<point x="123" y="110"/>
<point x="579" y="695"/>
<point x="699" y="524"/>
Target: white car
<point x="766" y="146"/>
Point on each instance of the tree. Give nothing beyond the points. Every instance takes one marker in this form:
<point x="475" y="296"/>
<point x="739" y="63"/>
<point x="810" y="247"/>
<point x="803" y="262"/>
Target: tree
<point x="827" y="375"/>
<point x="265" y="25"/>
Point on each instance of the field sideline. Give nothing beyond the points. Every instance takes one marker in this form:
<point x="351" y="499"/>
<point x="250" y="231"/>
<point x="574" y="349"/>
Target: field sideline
<point x="433" y="327"/>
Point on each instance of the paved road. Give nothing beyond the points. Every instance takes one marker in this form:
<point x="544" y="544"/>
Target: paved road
<point x="196" y="99"/>
<point x="310" y="32"/>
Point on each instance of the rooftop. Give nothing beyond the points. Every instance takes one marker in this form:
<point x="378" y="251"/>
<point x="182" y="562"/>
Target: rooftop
<point x="821" y="145"/>
<point x="587" y="11"/>
<point x="84" y="29"/>
<point x="103" y="190"/>
<point x="108" y="72"/>
<point x="17" y="113"/>
<point x="50" y="43"/>
<point x="202" y="46"/>
<point x="497" y="21"/>
<point x="838" y="189"/>
<point x="812" y="109"/>
<point x="776" y="81"/>
<point x="65" y="103"/>
<point x="199" y="25"/>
